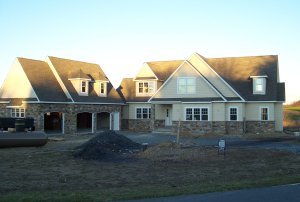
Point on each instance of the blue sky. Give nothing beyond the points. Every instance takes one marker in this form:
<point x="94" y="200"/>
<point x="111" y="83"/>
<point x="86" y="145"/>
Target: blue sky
<point x="121" y="35"/>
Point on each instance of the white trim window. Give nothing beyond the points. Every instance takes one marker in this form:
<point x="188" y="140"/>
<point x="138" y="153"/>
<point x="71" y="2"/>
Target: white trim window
<point x="102" y="89"/>
<point x="233" y="113"/>
<point x="186" y="85"/>
<point x="264" y="113"/>
<point x="18" y="112"/>
<point x="84" y="87"/>
<point x="143" y="112"/>
<point x="196" y="114"/>
<point x="145" y="87"/>
<point x="259" y="85"/>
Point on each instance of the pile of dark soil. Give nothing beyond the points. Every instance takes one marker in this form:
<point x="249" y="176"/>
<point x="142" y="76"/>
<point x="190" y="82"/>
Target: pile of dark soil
<point x="107" y="145"/>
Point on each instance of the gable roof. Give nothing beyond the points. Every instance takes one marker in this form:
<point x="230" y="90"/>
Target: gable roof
<point x="127" y="91"/>
<point x="42" y="80"/>
<point x="236" y="71"/>
<point x="68" y="69"/>
<point x="163" y="69"/>
<point x="209" y="85"/>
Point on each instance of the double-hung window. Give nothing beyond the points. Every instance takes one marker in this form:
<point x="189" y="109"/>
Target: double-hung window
<point x="233" y="113"/>
<point x="83" y="86"/>
<point x="145" y="87"/>
<point x="143" y="113"/>
<point x="264" y="114"/>
<point x="102" y="89"/>
<point x="186" y="85"/>
<point x="204" y="114"/>
<point x="196" y="114"/>
<point x="18" y="112"/>
<point x="259" y="84"/>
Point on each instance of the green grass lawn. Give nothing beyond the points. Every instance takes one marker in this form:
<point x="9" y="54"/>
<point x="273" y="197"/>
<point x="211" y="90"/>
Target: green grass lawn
<point x="292" y="108"/>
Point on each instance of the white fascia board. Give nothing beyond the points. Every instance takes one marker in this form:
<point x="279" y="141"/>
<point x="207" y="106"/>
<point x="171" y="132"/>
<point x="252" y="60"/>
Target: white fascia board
<point x="81" y="79"/>
<point x="142" y="80"/>
<point x="146" y="64"/>
<point x="219" y="76"/>
<point x="262" y="76"/>
<point x="29" y="82"/>
<point x="264" y="101"/>
<point x="187" y="62"/>
<point x="4" y="102"/>
<point x="102" y="81"/>
<point x="235" y="101"/>
<point x="166" y="81"/>
<point x="12" y="107"/>
<point x="61" y="83"/>
<point x="165" y="102"/>
<point x="208" y="83"/>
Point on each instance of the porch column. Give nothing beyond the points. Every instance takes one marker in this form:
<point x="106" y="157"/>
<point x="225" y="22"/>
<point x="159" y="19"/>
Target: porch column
<point x="93" y="122"/>
<point x="63" y="123"/>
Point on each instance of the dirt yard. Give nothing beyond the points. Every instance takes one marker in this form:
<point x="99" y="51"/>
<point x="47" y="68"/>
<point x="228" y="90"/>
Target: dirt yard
<point x="51" y="173"/>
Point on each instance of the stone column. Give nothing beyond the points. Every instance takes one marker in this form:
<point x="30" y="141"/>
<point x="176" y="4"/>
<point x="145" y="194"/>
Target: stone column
<point x="152" y="122"/>
<point x="111" y="126"/>
<point x="93" y="123"/>
<point x="63" y="124"/>
<point x="70" y="123"/>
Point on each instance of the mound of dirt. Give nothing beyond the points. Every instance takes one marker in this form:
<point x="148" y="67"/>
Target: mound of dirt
<point x="107" y="145"/>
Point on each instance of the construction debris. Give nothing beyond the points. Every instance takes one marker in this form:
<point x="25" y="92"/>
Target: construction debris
<point x="108" y="145"/>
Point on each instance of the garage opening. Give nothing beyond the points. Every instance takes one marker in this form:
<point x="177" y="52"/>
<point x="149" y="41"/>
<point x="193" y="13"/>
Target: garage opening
<point x="84" y="122"/>
<point x="103" y="121"/>
<point x="53" y="122"/>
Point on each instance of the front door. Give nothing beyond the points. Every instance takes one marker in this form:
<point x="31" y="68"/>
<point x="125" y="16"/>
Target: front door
<point x="168" y="117"/>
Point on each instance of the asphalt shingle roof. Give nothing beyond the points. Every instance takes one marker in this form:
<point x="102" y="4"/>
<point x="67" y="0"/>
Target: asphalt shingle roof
<point x="43" y="80"/>
<point x="163" y="69"/>
<point x="68" y="69"/>
<point x="236" y="71"/>
<point x="127" y="91"/>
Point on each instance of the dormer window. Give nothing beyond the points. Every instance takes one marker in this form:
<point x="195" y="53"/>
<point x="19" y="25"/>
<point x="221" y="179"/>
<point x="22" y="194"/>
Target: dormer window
<point x="83" y="86"/>
<point x="259" y="84"/>
<point x="102" y="89"/>
<point x="145" y="88"/>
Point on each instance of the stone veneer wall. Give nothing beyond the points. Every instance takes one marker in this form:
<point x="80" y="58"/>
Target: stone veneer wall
<point x="260" y="126"/>
<point x="223" y="127"/>
<point x="218" y="127"/>
<point x="70" y="112"/>
<point x="193" y="127"/>
<point x="140" y="125"/>
<point x="234" y="127"/>
<point x="159" y="124"/>
<point x="125" y="124"/>
<point x="3" y="111"/>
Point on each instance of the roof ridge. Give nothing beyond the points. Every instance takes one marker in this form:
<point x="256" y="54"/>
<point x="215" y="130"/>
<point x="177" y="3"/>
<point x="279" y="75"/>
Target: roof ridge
<point x="72" y="60"/>
<point x="251" y="56"/>
<point x="164" y="61"/>
<point x="22" y="58"/>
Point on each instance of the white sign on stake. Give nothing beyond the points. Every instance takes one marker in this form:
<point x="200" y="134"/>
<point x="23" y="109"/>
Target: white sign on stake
<point x="222" y="146"/>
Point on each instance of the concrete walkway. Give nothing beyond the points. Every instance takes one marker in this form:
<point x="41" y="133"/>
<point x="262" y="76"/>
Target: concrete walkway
<point x="283" y="193"/>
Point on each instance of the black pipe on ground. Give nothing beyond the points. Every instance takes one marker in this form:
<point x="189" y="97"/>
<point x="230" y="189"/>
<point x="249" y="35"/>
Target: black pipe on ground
<point x="23" y="139"/>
